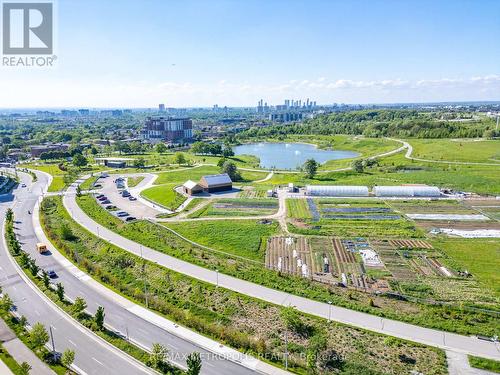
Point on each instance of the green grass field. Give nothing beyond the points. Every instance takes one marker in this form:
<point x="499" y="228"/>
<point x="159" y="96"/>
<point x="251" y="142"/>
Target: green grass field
<point x="134" y="181"/>
<point x="298" y="208"/>
<point x="164" y="195"/>
<point x="485" y="364"/>
<point x="481" y="257"/>
<point x="239" y="237"/>
<point x="462" y="150"/>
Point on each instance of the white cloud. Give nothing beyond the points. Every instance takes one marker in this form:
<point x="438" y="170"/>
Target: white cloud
<point x="47" y="91"/>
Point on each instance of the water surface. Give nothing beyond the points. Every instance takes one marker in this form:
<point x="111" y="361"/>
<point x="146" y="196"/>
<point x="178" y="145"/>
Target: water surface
<point x="289" y="155"/>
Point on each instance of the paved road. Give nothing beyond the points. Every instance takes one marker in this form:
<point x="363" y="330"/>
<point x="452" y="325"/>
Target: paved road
<point x="93" y="356"/>
<point x="440" y="339"/>
<point x="141" y="331"/>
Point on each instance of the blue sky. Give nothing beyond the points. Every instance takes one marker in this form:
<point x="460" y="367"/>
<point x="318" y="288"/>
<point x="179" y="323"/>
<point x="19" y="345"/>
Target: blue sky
<point x="198" y="53"/>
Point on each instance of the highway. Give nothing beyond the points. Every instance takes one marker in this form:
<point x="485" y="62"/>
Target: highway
<point x="138" y="330"/>
<point x="432" y="337"/>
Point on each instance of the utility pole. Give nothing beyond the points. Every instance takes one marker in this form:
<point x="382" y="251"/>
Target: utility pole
<point x="329" y="311"/>
<point x="286" y="349"/>
<point x="144" y="278"/>
<point x="53" y="345"/>
<point x="217" y="277"/>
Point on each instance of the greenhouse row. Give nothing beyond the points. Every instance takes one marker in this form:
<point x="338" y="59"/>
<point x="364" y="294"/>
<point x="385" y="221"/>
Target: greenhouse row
<point x="379" y="191"/>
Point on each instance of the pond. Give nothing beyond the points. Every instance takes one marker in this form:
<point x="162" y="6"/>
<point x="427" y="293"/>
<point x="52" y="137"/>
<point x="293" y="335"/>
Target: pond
<point x="289" y="155"/>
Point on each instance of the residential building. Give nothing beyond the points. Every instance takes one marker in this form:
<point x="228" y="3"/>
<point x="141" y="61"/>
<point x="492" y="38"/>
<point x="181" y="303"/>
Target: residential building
<point x="167" y="129"/>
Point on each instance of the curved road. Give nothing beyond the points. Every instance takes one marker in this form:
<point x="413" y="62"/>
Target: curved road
<point x="93" y="355"/>
<point x="121" y="315"/>
<point x="432" y="337"/>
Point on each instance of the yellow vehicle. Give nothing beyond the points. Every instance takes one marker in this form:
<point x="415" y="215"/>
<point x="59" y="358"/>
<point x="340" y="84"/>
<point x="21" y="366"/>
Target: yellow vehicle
<point x="42" y="248"/>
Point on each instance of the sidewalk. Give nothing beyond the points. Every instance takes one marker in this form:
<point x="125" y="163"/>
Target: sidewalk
<point x="20" y="352"/>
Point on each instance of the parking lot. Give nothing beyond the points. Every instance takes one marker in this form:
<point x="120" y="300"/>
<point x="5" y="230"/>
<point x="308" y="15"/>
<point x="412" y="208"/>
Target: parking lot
<point x="134" y="207"/>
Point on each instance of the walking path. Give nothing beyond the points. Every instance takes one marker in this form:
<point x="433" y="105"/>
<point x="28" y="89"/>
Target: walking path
<point x="440" y="339"/>
<point x="458" y="364"/>
<point x="20" y="352"/>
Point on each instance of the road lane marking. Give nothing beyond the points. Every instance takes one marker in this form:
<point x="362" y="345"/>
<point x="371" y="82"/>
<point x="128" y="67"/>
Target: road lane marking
<point x="71" y="342"/>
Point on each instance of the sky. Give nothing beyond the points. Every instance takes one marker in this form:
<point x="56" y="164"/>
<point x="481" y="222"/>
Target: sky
<point x="186" y="53"/>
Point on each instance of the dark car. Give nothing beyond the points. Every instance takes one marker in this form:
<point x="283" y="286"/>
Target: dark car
<point x="125" y="193"/>
<point x="132" y="198"/>
<point x="107" y="201"/>
<point x="52" y="274"/>
<point x="100" y="196"/>
<point x="103" y="198"/>
<point x="110" y="207"/>
<point x="130" y="218"/>
<point x="122" y="214"/>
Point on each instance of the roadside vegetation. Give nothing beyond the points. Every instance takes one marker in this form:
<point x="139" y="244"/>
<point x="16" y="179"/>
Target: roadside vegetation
<point x="485" y="364"/>
<point x="245" y="323"/>
<point x="164" y="195"/>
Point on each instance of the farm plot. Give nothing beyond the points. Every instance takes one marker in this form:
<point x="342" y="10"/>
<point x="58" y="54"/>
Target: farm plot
<point x="393" y="260"/>
<point x="429" y="206"/>
<point x="238" y="207"/>
<point x="411" y="244"/>
<point x="290" y="255"/>
<point x="298" y="208"/>
<point x="323" y="263"/>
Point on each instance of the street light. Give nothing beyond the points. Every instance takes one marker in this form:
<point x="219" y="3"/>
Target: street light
<point x="217" y="277"/>
<point x="329" y="310"/>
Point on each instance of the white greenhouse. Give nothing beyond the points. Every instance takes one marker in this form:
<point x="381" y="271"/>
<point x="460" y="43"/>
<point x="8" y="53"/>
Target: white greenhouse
<point x="406" y="191"/>
<point x="337" y="191"/>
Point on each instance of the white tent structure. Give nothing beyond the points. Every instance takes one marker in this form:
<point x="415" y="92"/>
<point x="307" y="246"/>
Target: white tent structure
<point x="407" y="191"/>
<point x="337" y="191"/>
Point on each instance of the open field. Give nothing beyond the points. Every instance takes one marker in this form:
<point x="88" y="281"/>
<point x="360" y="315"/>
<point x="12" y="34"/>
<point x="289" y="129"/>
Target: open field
<point x="134" y="181"/>
<point x="451" y="318"/>
<point x="463" y="150"/>
<point x="234" y="319"/>
<point x="164" y="195"/>
<point x="244" y="238"/>
<point x="237" y="207"/>
<point x="481" y="257"/>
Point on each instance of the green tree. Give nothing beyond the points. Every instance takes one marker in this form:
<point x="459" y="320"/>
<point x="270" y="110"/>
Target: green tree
<point x="45" y="279"/>
<point x="158" y="355"/>
<point x="38" y="335"/>
<point x="161" y="148"/>
<point x="94" y="151"/>
<point x="230" y="168"/>
<point x="139" y="163"/>
<point x="6" y="303"/>
<point x="99" y="317"/>
<point x="357" y="166"/>
<point x="79" y="160"/>
<point x="227" y="152"/>
<point x="78" y="191"/>
<point x="310" y="168"/>
<point x="34" y="267"/>
<point x="79" y="306"/>
<point x="9" y="215"/>
<point x="25" y="368"/>
<point x="68" y="357"/>
<point x="193" y="363"/>
<point x="179" y="158"/>
<point x="60" y="291"/>
<point x="23" y="321"/>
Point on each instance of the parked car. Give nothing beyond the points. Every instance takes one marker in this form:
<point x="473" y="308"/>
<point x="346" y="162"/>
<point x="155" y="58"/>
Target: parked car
<point x="100" y="196"/>
<point x="103" y="198"/>
<point x="132" y="198"/>
<point x="110" y="207"/>
<point x="122" y="214"/>
<point x="130" y="218"/>
<point x="107" y="201"/>
<point x="125" y="193"/>
<point x="23" y="185"/>
<point x="52" y="274"/>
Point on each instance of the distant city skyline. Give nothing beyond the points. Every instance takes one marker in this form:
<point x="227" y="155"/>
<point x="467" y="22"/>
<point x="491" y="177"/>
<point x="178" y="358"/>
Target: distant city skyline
<point x="200" y="53"/>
